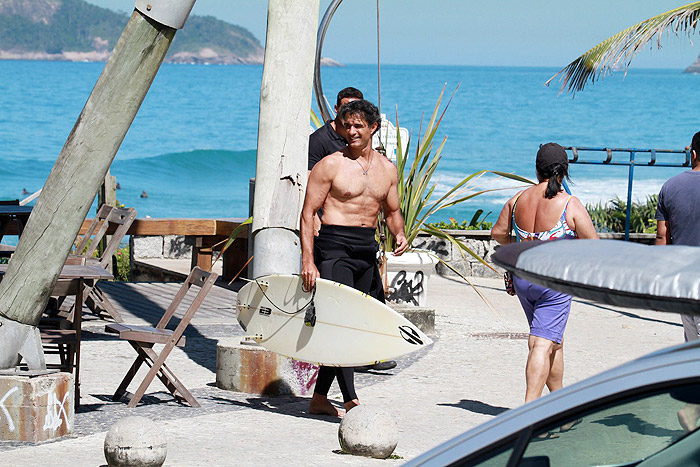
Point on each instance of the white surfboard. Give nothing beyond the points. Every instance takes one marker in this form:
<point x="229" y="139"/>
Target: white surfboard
<point x="351" y="328"/>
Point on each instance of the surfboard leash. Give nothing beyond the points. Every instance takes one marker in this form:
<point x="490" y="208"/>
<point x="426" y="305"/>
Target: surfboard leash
<point x="309" y="308"/>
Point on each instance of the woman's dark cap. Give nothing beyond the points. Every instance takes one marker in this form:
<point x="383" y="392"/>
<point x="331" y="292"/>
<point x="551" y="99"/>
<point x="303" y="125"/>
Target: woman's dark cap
<point x="551" y="154"/>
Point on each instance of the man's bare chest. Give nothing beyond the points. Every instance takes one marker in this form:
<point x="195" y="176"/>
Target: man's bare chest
<point x="368" y="187"/>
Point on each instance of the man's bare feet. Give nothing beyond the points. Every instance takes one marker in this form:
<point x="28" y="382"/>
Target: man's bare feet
<point x="688" y="417"/>
<point x="353" y="403"/>
<point x="320" y="405"/>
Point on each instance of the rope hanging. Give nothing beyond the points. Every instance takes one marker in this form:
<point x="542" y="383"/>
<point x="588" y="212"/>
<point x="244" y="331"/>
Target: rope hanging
<point x="382" y="221"/>
<point x="379" y="74"/>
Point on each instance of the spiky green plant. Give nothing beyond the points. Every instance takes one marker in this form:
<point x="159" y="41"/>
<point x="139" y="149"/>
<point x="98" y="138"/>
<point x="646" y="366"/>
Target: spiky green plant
<point x="619" y="49"/>
<point x="611" y="216"/>
<point x="229" y="241"/>
<point x="416" y="189"/>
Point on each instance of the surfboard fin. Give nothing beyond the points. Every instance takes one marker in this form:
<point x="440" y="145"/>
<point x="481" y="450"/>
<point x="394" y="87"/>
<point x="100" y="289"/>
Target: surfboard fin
<point x="310" y="315"/>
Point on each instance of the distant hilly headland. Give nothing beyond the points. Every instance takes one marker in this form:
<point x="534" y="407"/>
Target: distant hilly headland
<point x="694" y="67"/>
<point x="75" y="30"/>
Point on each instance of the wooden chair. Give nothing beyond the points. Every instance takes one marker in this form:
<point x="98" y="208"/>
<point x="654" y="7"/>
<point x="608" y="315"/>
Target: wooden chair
<point x="142" y="339"/>
<point x="106" y="217"/>
<point x="60" y="336"/>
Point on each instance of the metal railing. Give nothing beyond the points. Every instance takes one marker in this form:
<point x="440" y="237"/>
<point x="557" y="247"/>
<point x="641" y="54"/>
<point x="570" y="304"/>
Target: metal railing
<point x="649" y="160"/>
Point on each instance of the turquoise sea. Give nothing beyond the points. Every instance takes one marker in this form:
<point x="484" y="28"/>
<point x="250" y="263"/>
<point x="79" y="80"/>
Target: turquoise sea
<point x="192" y="145"/>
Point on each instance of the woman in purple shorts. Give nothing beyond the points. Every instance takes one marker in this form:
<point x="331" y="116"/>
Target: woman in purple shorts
<point x="544" y="212"/>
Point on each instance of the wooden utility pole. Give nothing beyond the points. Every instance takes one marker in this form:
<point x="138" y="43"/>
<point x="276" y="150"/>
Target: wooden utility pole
<point x="79" y="171"/>
<point x="283" y="135"/>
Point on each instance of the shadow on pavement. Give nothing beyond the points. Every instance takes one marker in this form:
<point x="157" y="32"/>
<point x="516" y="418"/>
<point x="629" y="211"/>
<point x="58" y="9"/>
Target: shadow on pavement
<point x="477" y="407"/>
<point x="629" y="314"/>
<point x="151" y="311"/>
<point x="286" y="405"/>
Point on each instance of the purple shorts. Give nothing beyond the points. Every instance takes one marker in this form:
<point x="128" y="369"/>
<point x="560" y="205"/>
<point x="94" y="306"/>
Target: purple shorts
<point x="546" y="310"/>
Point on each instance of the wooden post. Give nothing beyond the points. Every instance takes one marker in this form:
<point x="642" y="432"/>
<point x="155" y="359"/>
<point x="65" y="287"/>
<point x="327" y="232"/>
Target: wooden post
<point x="283" y="135"/>
<point x="108" y="196"/>
<point x="108" y="191"/>
<point x="76" y="177"/>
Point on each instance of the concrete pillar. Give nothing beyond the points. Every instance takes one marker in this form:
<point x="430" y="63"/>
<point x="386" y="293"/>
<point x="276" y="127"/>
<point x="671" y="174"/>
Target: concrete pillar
<point x="36" y="406"/>
<point x="283" y="135"/>
<point x="252" y="369"/>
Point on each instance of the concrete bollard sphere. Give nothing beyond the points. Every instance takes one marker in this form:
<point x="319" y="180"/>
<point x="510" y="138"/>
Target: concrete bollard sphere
<point x="135" y="441"/>
<point x="368" y="431"/>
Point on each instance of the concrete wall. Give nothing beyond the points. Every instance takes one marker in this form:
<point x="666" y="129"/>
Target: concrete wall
<point x="175" y="247"/>
<point x="160" y="247"/>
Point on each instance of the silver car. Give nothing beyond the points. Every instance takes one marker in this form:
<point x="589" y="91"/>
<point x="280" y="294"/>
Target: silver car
<point x="643" y="413"/>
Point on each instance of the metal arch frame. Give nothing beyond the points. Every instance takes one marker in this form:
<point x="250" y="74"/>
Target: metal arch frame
<point x="318" y="89"/>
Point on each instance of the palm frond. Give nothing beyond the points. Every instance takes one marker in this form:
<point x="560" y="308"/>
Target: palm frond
<point x="315" y="121"/>
<point x="232" y="238"/>
<point x="619" y="49"/>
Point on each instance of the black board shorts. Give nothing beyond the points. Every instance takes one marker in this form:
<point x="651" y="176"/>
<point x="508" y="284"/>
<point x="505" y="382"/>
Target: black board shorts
<point x="348" y="254"/>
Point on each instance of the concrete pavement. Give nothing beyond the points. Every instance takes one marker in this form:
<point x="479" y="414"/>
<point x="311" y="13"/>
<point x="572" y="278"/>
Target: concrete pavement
<point x="473" y="371"/>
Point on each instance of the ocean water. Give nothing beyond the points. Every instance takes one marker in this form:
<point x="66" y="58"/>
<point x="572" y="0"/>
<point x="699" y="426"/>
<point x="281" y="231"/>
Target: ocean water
<point x="192" y="145"/>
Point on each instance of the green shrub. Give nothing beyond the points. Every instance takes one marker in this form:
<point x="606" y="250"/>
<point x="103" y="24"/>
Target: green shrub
<point x="610" y="216"/>
<point x="121" y="268"/>
<point x="478" y="222"/>
<point x="120" y="264"/>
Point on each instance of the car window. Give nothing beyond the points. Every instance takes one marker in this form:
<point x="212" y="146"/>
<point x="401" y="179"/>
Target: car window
<point x="625" y="432"/>
<point x="495" y="457"/>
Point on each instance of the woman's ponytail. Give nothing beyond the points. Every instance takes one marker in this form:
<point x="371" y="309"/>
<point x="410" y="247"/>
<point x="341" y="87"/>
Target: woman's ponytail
<point x="553" y="187"/>
<point x="555" y="174"/>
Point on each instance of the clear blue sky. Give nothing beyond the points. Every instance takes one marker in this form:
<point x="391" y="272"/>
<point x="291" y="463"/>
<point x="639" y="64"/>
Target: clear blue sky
<point x="468" y="32"/>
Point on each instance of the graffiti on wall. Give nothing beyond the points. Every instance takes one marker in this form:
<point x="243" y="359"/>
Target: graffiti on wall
<point x="406" y="290"/>
<point x="54" y="410"/>
<point x="5" y="413"/>
<point x="306" y="374"/>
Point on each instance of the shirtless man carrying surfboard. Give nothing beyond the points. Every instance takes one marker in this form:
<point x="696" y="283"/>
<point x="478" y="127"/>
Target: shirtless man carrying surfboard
<point x="352" y="186"/>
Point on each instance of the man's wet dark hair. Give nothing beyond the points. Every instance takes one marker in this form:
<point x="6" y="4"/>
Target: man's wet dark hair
<point x="552" y="163"/>
<point x="695" y="145"/>
<point x="348" y="92"/>
<point x="365" y="109"/>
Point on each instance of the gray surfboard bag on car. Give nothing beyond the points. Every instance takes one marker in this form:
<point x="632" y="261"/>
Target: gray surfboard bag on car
<point x="663" y="278"/>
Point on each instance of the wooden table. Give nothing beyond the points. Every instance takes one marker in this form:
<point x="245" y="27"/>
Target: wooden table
<point x="11" y="213"/>
<point x="75" y="271"/>
<point x="72" y="281"/>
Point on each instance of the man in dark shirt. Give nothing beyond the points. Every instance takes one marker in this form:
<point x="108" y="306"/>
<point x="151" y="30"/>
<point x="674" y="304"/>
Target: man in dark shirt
<point x="330" y="137"/>
<point x="678" y="223"/>
<point x="678" y="217"/>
